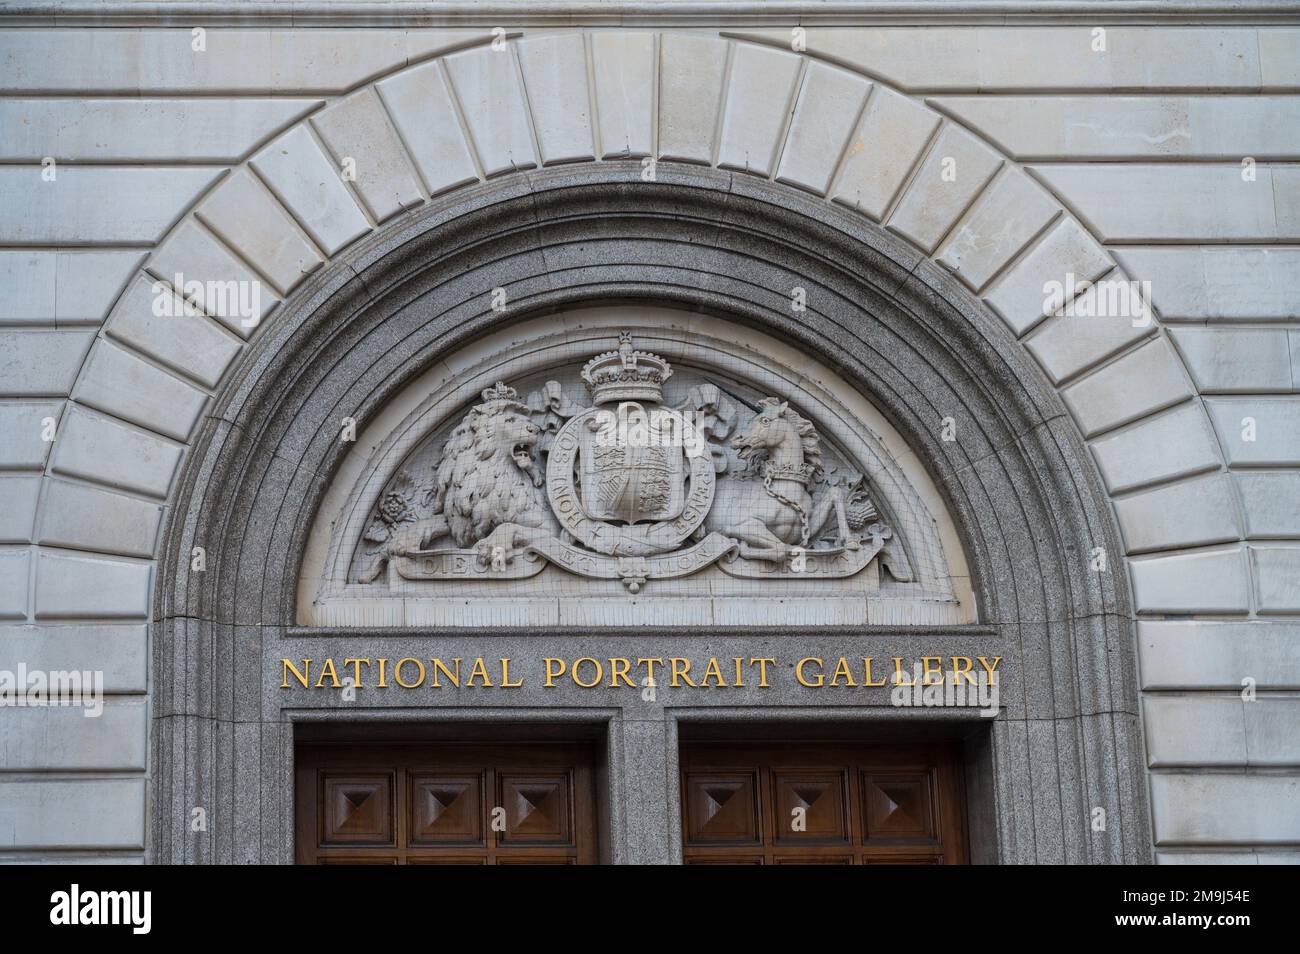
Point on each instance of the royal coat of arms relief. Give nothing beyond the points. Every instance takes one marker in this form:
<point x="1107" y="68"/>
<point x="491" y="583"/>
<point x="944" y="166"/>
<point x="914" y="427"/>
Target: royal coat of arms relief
<point x="628" y="487"/>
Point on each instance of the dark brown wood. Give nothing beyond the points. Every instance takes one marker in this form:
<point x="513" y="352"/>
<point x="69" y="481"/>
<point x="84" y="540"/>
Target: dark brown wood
<point x="810" y="802"/>
<point x="445" y="803"/>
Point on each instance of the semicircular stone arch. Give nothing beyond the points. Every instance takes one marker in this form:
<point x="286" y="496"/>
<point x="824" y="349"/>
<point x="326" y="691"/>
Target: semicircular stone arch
<point x="893" y="325"/>
<point x="646" y="107"/>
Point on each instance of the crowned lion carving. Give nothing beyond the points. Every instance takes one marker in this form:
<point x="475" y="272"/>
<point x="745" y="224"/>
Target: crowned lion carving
<point x="487" y="487"/>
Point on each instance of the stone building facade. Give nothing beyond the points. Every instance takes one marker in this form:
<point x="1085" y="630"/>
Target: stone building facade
<point x="974" y="329"/>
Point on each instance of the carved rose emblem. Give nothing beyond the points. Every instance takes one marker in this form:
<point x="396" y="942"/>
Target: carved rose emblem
<point x="395" y="508"/>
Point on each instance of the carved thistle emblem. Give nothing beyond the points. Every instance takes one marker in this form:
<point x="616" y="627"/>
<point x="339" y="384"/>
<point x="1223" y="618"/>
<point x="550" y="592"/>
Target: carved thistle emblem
<point x="639" y="490"/>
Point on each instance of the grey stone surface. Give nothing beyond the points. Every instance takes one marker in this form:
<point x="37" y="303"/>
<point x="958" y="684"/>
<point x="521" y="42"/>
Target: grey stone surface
<point x="1219" y="655"/>
<point x="40" y="362"/>
<point x="85" y="517"/>
<point x="64" y="738"/>
<point x="50" y="814"/>
<point x="420" y="106"/>
<point x="1182" y="806"/>
<point x="356" y="128"/>
<point x="64" y="287"/>
<point x="115" y="649"/>
<point x="76" y="587"/>
<point x="102" y="448"/>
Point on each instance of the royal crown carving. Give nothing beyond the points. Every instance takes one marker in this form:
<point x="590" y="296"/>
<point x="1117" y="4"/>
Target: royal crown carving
<point x="626" y="374"/>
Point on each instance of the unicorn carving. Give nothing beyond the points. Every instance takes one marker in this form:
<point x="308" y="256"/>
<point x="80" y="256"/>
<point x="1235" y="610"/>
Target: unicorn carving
<point x="772" y="516"/>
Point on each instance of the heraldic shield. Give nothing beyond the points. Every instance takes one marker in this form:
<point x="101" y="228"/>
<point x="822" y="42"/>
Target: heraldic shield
<point x="632" y="464"/>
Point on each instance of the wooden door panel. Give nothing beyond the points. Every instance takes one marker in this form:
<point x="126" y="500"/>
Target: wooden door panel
<point x="445" y="803"/>
<point x="821" y="803"/>
<point x="356" y="809"/>
<point x="446" y="809"/>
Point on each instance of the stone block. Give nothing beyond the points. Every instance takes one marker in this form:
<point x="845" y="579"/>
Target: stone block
<point x="41" y="361"/>
<point x="88" y="518"/>
<point x="1272" y="730"/>
<point x="1222" y="730"/>
<point x="114" y="453"/>
<point x="828" y="107"/>
<point x="338" y="60"/>
<point x="357" y="128"/>
<point x="887" y="145"/>
<point x="72" y="813"/>
<point x="1147" y="379"/>
<point x="420" y="106"/>
<point x="311" y="187"/>
<point x="1286" y="199"/>
<point x="1131" y="202"/>
<point x="1006" y="216"/>
<point x="1279" y="59"/>
<point x="1236" y="360"/>
<point x="175" y="129"/>
<point x="66" y="739"/>
<point x="1224" y="809"/>
<point x="624" y="67"/>
<point x="192" y="344"/>
<point x="233" y="60"/>
<point x="690" y="95"/>
<point x="1201" y="730"/>
<point x="231" y="292"/>
<point x="1073" y="128"/>
<point x="63" y="287"/>
<point x="760" y="95"/>
<point x="18" y="515"/>
<point x="114" y="204"/>
<point x="122" y="384"/>
<point x="1067" y="256"/>
<point x="555" y="80"/>
<point x="119" y="650"/>
<point x="486" y="83"/>
<point x="244" y="214"/>
<point x="1106" y="318"/>
<point x="76" y="587"/>
<point x="22" y="426"/>
<point x="1258" y="431"/>
<point x="1218" y="284"/>
<point x="15" y="568"/>
<point x="1209" y="582"/>
<point x="1177" y="443"/>
<point x="1190" y="513"/>
<point x="956" y="170"/>
<point x="1203" y="654"/>
<point x="1277" y="578"/>
<point x="1269" y="500"/>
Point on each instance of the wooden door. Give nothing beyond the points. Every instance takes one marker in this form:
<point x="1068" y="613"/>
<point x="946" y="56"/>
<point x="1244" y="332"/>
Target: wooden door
<point x="834" y="803"/>
<point x="446" y="803"/>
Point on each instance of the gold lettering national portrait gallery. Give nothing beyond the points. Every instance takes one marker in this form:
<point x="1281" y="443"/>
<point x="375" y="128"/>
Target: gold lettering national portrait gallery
<point x="588" y="672"/>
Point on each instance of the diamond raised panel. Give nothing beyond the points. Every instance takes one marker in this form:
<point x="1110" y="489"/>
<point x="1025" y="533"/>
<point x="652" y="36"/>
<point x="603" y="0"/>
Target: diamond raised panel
<point x="358" y="809"/>
<point x="722" y="809"/>
<point x="446" y="810"/>
<point x="810" y="807"/>
<point x="898" y="806"/>
<point x="539" y="809"/>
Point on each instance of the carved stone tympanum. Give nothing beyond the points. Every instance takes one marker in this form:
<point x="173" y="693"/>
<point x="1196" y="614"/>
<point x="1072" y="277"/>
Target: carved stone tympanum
<point x="627" y="488"/>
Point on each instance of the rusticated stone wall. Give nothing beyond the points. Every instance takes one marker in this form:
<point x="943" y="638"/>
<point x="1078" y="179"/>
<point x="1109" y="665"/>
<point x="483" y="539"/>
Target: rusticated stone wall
<point x="1012" y="156"/>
